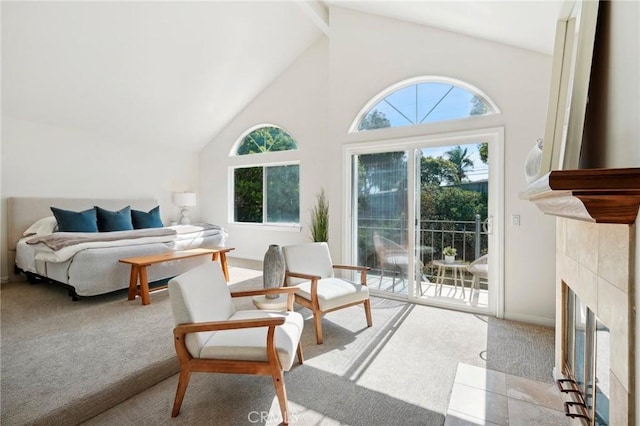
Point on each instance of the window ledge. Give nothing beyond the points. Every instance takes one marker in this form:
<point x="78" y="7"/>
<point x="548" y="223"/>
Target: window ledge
<point x="268" y="226"/>
<point x="594" y="195"/>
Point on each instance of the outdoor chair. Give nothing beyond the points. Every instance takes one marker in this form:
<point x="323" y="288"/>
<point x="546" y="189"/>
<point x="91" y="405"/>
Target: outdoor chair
<point x="212" y="336"/>
<point x="391" y="257"/>
<point x="479" y="268"/>
<point x="395" y="258"/>
<point x="310" y="269"/>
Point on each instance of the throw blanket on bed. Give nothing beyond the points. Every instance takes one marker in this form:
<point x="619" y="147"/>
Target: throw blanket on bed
<point x="66" y="244"/>
<point x="60" y="240"/>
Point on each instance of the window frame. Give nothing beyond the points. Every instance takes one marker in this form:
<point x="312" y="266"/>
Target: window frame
<point x="236" y="145"/>
<point x="264" y="165"/>
<point x="353" y="128"/>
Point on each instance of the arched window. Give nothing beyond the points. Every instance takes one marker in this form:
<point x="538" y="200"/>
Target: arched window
<point x="266" y="138"/>
<point x="266" y="193"/>
<point x="423" y="100"/>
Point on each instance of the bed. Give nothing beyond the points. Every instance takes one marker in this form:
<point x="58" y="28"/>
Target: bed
<point x="87" y="264"/>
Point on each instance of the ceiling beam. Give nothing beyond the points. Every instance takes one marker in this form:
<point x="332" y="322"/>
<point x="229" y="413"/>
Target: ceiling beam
<point x="318" y="13"/>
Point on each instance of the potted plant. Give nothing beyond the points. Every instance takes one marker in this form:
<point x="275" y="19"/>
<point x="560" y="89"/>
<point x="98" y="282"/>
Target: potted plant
<point x="320" y="218"/>
<point x="449" y="254"/>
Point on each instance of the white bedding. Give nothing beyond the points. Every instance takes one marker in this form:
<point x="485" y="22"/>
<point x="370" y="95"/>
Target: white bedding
<point x="183" y="236"/>
<point x="26" y="256"/>
<point x="93" y="268"/>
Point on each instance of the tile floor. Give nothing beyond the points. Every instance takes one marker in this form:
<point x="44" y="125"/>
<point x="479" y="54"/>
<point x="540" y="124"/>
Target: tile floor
<point x="487" y="397"/>
<point x="446" y="293"/>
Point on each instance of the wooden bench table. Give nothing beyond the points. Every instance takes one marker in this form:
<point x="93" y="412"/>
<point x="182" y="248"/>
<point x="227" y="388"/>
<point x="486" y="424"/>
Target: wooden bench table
<point x="139" y="267"/>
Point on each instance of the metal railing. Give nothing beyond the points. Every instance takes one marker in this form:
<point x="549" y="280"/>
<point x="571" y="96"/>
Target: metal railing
<point x="467" y="237"/>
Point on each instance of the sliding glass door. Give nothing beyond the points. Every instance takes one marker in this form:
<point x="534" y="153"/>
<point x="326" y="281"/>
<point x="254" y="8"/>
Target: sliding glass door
<point x="412" y="206"/>
<point x="382" y="227"/>
<point x="451" y="231"/>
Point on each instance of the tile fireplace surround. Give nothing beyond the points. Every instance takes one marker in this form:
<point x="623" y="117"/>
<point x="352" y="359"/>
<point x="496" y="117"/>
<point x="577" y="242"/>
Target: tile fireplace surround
<point x="595" y="261"/>
<point x="595" y="258"/>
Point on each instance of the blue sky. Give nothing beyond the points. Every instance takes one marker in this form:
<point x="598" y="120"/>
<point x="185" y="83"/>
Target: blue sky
<point x="425" y="103"/>
<point x="430" y="102"/>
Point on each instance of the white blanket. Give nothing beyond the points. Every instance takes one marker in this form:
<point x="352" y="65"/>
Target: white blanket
<point x="176" y="238"/>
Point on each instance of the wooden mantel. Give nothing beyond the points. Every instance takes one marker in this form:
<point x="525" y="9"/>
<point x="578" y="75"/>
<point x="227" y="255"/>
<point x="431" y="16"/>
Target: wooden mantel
<point x="594" y="195"/>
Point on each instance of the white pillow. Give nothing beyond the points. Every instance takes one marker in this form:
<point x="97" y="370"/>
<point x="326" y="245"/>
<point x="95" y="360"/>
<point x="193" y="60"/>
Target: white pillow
<point x="43" y="226"/>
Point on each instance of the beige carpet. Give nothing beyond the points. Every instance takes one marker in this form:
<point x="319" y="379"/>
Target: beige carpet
<point x="400" y="371"/>
<point x="64" y="362"/>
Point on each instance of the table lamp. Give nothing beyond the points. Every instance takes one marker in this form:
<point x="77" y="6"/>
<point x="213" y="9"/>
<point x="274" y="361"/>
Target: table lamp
<point x="184" y="200"/>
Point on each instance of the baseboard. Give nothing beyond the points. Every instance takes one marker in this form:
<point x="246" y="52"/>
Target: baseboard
<point x="245" y="263"/>
<point x="531" y="319"/>
<point x="4" y="280"/>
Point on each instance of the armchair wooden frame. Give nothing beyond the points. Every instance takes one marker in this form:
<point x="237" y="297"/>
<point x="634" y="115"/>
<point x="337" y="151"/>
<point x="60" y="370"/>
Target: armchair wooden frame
<point x="271" y="367"/>
<point x="314" y="305"/>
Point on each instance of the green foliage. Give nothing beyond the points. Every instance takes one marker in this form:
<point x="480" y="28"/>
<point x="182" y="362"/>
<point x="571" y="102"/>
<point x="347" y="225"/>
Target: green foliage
<point x="460" y="157"/>
<point x="320" y="218"/>
<point x="483" y="149"/>
<point x="281" y="189"/>
<point x="248" y="194"/>
<point x="450" y="203"/>
<point x="283" y="194"/>
<point x="384" y="171"/>
<point x="440" y="200"/>
<point x="266" y="139"/>
<point x="449" y="251"/>
<point x="374" y="120"/>
<point x="437" y="170"/>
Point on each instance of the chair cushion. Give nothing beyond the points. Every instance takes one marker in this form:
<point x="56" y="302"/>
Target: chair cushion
<point x="481" y="269"/>
<point x="200" y="295"/>
<point x="334" y="292"/>
<point x="249" y="344"/>
<point x="308" y="258"/>
<point x="397" y="259"/>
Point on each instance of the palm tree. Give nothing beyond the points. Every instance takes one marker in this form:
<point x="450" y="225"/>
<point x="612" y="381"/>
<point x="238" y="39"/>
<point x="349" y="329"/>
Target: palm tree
<point x="460" y="157"/>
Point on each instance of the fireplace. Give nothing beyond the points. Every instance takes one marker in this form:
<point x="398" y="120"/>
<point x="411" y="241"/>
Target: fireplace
<point x="595" y="289"/>
<point x="594" y="340"/>
<point x="586" y="361"/>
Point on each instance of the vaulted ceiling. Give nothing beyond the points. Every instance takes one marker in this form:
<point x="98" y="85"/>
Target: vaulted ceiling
<point x="175" y="73"/>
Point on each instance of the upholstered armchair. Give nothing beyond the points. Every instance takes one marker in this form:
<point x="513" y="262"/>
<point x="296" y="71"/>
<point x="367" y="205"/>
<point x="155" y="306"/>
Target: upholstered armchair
<point x="212" y="336"/>
<point x="310" y="269"/>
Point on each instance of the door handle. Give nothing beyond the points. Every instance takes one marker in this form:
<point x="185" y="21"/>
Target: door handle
<point x="487" y="225"/>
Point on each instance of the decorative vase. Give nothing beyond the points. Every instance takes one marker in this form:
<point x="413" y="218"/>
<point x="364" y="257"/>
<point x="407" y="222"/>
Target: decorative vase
<point x="449" y="259"/>
<point x="273" y="269"/>
<point x="533" y="162"/>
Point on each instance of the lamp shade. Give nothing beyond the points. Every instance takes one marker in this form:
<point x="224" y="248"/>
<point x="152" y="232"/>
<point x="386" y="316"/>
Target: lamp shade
<point x="184" y="199"/>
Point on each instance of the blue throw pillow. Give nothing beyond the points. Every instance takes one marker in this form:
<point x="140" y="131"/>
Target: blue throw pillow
<point x="114" y="221"/>
<point x="70" y="221"/>
<point x="143" y="220"/>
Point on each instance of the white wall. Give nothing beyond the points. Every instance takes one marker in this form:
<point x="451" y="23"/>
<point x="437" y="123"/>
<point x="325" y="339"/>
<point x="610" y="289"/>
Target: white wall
<point x="369" y="53"/>
<point x="39" y="160"/>
<point x="319" y="96"/>
<point x="297" y="101"/>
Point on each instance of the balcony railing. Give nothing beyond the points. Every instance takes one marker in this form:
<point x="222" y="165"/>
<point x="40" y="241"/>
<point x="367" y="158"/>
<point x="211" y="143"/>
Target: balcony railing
<point x="467" y="237"/>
